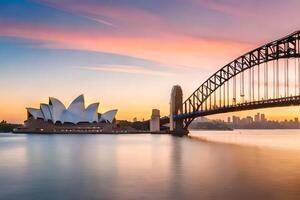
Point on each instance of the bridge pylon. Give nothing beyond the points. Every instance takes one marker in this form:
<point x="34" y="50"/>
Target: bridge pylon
<point x="176" y="108"/>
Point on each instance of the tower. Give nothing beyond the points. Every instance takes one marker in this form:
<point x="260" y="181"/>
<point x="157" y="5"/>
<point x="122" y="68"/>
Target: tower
<point x="176" y="107"/>
<point x="155" y="121"/>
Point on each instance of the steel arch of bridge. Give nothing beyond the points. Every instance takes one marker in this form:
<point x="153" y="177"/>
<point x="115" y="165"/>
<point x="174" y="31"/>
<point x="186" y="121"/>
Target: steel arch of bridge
<point x="286" y="47"/>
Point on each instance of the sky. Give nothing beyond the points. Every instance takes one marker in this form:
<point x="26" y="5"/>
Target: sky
<point x="127" y="54"/>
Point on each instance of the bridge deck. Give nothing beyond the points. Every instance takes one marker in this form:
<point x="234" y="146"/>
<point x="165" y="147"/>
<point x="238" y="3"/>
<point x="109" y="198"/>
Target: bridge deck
<point x="279" y="102"/>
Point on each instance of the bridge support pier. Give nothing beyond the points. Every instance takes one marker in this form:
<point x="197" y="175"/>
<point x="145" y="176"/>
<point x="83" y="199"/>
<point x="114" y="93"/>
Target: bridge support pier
<point x="176" y="107"/>
<point x="179" y="132"/>
<point x="154" y="121"/>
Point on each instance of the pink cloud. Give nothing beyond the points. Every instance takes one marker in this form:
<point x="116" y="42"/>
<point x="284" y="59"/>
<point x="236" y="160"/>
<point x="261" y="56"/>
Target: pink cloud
<point x="226" y="7"/>
<point x="159" y="40"/>
<point x="172" y="50"/>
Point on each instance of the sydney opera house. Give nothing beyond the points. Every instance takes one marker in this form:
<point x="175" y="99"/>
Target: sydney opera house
<point x="54" y="117"/>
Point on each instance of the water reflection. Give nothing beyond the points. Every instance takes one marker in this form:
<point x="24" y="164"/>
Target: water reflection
<point x="142" y="167"/>
<point x="281" y="139"/>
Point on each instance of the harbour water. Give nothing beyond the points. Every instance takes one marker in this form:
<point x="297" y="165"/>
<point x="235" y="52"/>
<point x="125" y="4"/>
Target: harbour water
<point x="151" y="166"/>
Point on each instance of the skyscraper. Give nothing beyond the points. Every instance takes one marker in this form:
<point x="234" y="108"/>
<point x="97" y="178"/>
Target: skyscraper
<point x="263" y="118"/>
<point x="257" y="117"/>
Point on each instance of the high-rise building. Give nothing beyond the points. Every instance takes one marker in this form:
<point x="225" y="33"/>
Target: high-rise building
<point x="228" y="119"/>
<point x="263" y="117"/>
<point x="249" y="120"/>
<point x="257" y="117"/>
<point x="235" y="120"/>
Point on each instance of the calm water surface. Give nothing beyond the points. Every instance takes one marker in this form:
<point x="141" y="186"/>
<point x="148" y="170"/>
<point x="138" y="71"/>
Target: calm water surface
<point x="143" y="167"/>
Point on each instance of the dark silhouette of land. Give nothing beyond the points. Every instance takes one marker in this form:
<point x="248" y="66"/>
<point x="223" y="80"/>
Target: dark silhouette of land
<point x="7" y="127"/>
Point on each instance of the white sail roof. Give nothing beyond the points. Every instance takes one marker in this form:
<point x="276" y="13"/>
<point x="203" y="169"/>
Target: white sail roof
<point x="76" y="112"/>
<point x="108" y="116"/>
<point x="91" y="113"/>
<point x="57" y="109"/>
<point x="46" y="111"/>
<point x="36" y="113"/>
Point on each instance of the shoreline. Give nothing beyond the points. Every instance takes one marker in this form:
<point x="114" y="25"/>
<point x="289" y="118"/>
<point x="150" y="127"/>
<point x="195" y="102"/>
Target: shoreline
<point x="92" y="133"/>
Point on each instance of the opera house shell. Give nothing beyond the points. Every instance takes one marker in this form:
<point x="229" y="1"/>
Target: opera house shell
<point x="55" y="117"/>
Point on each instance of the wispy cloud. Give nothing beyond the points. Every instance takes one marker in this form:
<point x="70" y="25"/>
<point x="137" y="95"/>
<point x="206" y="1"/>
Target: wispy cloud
<point x="88" y="16"/>
<point x="101" y="21"/>
<point x="227" y="7"/>
<point x="127" y="69"/>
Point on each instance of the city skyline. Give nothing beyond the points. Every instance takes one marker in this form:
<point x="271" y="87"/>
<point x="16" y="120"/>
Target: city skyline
<point x="258" y="121"/>
<point x="258" y="117"/>
<point x="103" y="50"/>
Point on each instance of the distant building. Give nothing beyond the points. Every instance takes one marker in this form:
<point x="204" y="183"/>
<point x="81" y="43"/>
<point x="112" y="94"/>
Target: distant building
<point x="54" y="117"/>
<point x="155" y="121"/>
<point x="235" y="120"/>
<point x="249" y="119"/>
<point x="263" y="117"/>
<point x="246" y="121"/>
<point x="257" y="117"/>
<point x="228" y="119"/>
<point x="261" y="122"/>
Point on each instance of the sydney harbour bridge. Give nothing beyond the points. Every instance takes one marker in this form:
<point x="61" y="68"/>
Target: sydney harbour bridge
<point x="268" y="76"/>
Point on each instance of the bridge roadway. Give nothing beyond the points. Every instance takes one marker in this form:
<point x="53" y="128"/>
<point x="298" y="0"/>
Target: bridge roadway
<point x="279" y="102"/>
